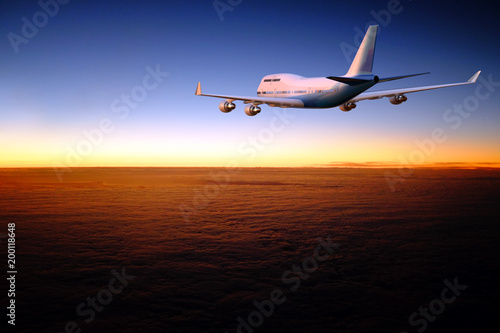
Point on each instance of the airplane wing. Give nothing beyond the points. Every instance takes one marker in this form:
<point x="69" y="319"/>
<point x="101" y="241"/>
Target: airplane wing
<point x="278" y="102"/>
<point x="396" y="92"/>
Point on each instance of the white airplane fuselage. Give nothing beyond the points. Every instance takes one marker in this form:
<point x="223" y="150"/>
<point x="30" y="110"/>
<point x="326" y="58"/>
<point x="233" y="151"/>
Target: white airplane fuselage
<point x="314" y="92"/>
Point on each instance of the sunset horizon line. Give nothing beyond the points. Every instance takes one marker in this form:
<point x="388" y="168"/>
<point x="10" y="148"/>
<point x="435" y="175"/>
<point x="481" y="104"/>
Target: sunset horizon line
<point x="344" y="164"/>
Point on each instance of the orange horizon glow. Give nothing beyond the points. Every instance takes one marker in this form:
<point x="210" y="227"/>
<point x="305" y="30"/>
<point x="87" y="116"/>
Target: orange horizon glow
<point x="361" y="153"/>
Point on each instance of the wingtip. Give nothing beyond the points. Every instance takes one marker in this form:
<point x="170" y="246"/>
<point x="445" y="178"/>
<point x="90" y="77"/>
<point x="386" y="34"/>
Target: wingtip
<point x="198" y="89"/>
<point x="474" y="77"/>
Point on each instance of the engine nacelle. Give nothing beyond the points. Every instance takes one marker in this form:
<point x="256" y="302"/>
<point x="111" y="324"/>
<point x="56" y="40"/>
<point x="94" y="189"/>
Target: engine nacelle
<point x="398" y="99"/>
<point x="347" y="106"/>
<point x="226" y="106"/>
<point x="252" y="110"/>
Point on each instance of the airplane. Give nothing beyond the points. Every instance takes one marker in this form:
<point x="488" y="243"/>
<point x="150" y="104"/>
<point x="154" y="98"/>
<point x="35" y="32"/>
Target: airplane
<point x="295" y="91"/>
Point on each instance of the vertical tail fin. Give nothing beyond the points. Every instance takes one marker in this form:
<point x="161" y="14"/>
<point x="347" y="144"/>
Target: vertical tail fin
<point x="363" y="61"/>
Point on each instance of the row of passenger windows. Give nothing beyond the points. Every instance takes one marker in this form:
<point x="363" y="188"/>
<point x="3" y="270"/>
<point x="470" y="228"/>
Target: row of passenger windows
<point x="296" y="92"/>
<point x="326" y="91"/>
<point x="272" y="80"/>
<point x="281" y="92"/>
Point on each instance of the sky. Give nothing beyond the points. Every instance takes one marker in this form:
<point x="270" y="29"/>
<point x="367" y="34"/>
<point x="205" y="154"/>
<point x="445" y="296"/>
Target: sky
<point x="111" y="83"/>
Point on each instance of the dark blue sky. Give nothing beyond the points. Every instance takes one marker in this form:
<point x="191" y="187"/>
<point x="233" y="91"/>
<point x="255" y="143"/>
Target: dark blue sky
<point x="63" y="80"/>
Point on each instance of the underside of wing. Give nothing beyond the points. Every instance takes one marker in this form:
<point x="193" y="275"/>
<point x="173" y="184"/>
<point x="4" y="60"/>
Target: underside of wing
<point x="402" y="91"/>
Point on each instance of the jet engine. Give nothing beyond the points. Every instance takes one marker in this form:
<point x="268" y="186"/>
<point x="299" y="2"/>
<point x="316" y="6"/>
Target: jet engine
<point x="226" y="106"/>
<point x="347" y="106"/>
<point x="252" y="110"/>
<point x="398" y="99"/>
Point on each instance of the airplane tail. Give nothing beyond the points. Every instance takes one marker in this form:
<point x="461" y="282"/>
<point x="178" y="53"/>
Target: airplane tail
<point x="363" y="61"/>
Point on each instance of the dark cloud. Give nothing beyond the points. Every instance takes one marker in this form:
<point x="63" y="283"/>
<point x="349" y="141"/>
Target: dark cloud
<point x="396" y="249"/>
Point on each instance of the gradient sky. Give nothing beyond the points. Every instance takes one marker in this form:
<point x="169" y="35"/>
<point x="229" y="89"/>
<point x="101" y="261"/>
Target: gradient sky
<point x="69" y="77"/>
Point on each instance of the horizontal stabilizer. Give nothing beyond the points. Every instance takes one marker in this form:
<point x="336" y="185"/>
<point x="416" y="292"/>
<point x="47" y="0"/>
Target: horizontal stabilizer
<point x="348" y="80"/>
<point x="385" y="79"/>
